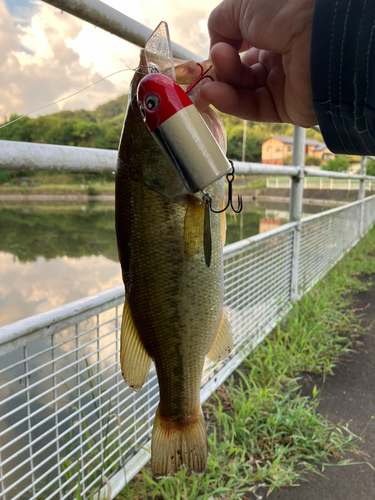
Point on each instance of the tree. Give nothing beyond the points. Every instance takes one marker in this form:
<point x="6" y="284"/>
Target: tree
<point x="86" y="132"/>
<point x="19" y="131"/>
<point x="338" y="164"/>
<point x="370" y="167"/>
<point x="253" y="144"/>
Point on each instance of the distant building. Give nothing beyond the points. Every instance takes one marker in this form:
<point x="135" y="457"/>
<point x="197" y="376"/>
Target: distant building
<point x="266" y="224"/>
<point x="278" y="147"/>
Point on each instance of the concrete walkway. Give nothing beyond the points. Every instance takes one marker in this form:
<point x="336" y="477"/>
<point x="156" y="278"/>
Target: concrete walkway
<point x="349" y="395"/>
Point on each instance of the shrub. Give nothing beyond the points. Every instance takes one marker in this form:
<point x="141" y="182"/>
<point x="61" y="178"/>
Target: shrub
<point x="312" y="160"/>
<point x="91" y="191"/>
<point x="338" y="164"/>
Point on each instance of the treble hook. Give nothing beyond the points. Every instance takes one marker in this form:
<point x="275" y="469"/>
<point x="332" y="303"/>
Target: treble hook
<point x="230" y="178"/>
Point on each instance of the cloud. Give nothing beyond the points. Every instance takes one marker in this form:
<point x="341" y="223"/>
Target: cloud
<point x="38" y="66"/>
<point x="34" y="287"/>
<point x="48" y="54"/>
<point x="187" y="20"/>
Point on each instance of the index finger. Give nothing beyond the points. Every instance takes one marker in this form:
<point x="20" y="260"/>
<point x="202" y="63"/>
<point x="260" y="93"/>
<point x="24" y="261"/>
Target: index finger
<point x="223" y="25"/>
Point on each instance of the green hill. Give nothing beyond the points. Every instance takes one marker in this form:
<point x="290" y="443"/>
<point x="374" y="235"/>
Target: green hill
<point x="101" y="128"/>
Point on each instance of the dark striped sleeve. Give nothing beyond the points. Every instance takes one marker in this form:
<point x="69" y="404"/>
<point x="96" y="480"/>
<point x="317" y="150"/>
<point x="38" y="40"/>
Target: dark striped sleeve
<point x="343" y="74"/>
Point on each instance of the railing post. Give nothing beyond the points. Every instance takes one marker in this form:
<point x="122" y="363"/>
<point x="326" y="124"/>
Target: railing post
<point x="295" y="203"/>
<point x="361" y="193"/>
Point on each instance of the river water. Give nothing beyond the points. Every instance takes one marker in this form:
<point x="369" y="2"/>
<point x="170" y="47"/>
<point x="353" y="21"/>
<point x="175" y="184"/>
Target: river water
<point x="53" y="254"/>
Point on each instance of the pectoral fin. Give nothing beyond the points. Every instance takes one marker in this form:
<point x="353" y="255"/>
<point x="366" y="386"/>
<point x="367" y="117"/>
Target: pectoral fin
<point x="223" y="343"/>
<point x="223" y="227"/>
<point x="135" y="362"/>
<point x="194" y="220"/>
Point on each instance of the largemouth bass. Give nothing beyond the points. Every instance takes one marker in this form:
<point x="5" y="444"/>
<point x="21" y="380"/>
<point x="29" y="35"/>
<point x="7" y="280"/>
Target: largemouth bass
<point x="173" y="312"/>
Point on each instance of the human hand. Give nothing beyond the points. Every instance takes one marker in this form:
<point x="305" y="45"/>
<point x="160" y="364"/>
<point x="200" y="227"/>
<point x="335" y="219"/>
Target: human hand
<point x="272" y="81"/>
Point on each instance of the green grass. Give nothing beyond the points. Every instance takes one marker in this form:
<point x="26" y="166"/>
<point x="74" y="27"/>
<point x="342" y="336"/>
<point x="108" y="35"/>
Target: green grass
<point x="260" y="427"/>
<point x="257" y="183"/>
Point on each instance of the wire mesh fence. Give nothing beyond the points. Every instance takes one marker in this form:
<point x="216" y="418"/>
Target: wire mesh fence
<point x="69" y="424"/>
<point x="324" y="240"/>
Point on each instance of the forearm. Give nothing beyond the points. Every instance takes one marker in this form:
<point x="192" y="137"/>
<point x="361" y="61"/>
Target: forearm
<point x="343" y="74"/>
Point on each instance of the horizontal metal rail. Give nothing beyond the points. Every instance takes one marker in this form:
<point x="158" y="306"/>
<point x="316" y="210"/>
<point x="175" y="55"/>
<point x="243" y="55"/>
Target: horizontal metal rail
<point x="103" y="16"/>
<point x="335" y="175"/>
<point x="30" y="156"/>
<point x="246" y="168"/>
<point x="41" y="325"/>
<point x="16" y="155"/>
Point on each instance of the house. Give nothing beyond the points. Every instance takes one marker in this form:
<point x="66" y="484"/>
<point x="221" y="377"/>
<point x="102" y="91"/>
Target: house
<point x="277" y="148"/>
<point x="266" y="224"/>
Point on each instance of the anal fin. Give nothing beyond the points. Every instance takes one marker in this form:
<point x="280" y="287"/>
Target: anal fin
<point x="223" y="343"/>
<point x="135" y="362"/>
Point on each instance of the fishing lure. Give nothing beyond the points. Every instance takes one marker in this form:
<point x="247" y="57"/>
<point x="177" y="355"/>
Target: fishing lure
<point x="181" y="132"/>
<point x="187" y="142"/>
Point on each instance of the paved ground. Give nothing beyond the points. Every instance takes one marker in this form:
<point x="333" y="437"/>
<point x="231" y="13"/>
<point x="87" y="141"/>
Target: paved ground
<point x="349" y="395"/>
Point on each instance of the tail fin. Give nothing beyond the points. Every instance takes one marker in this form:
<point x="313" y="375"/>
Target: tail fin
<point x="176" y="443"/>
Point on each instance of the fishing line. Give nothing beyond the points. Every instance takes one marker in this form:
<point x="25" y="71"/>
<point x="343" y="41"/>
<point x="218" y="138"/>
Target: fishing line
<point x="75" y="93"/>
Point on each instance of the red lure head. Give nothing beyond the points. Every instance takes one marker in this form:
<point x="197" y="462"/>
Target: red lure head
<point x="159" y="98"/>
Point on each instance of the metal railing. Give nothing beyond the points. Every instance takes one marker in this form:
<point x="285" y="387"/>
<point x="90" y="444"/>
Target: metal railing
<point x="69" y="424"/>
<point x="321" y="183"/>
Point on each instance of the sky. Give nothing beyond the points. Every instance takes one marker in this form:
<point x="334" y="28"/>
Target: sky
<point x="46" y="54"/>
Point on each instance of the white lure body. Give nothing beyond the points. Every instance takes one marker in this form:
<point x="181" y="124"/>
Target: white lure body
<point x="181" y="132"/>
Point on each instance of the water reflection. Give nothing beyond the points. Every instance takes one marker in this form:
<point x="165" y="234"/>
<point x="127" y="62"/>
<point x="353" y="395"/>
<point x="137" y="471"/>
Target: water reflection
<point x="261" y="216"/>
<point x="29" y="232"/>
<point x="28" y="288"/>
<point x="52" y="255"/>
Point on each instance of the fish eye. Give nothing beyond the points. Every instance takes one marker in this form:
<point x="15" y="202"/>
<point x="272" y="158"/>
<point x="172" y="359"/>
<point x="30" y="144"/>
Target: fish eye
<point x="142" y="110"/>
<point x="152" y="102"/>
